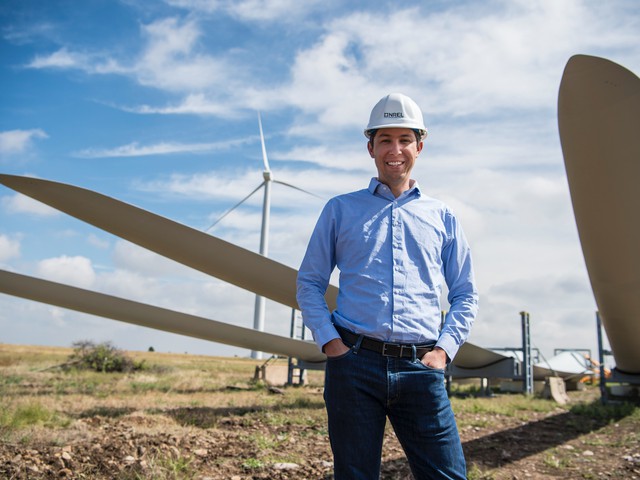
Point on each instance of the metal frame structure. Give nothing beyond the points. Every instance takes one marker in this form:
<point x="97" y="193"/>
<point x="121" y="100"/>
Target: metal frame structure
<point x="632" y="381"/>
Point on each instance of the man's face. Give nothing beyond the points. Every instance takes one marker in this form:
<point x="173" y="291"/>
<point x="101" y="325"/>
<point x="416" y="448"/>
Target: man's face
<point x="395" y="151"/>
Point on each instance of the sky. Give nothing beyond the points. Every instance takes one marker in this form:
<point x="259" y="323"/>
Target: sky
<point x="156" y="104"/>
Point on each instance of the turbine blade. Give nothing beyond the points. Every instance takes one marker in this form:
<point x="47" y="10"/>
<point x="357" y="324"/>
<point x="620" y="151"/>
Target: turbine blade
<point x="265" y="160"/>
<point x="297" y="188"/>
<point x="598" y="119"/>
<point x="234" y="207"/>
<point x="469" y="356"/>
<point x="145" y="315"/>
<point x="186" y="245"/>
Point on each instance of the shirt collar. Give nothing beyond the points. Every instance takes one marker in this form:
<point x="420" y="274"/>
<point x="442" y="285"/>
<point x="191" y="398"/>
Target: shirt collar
<point x="375" y="184"/>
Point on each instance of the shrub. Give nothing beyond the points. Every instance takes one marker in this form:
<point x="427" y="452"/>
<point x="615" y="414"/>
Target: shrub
<point x="103" y="357"/>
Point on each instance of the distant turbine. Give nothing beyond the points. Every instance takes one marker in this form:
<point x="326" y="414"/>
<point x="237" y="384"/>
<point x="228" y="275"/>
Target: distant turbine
<point x="258" y="318"/>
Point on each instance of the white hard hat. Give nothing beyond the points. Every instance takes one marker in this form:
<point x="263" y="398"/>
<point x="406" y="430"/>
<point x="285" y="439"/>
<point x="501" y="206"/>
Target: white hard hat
<point x="396" y="111"/>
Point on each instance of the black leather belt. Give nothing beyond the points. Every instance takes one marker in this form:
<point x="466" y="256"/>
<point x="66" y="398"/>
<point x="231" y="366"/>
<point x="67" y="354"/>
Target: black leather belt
<point x="404" y="350"/>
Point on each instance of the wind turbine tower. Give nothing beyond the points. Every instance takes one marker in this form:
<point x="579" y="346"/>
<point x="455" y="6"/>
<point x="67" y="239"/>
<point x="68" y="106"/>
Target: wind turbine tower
<point x="258" y="317"/>
<point x="259" y="312"/>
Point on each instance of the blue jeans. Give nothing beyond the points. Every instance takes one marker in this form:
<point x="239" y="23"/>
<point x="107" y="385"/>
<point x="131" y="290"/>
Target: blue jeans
<point x="362" y="389"/>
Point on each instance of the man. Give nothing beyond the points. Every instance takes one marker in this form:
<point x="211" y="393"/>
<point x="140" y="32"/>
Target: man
<point x="385" y="345"/>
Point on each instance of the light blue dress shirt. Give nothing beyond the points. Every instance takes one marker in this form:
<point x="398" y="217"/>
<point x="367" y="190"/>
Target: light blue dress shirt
<point x="392" y="254"/>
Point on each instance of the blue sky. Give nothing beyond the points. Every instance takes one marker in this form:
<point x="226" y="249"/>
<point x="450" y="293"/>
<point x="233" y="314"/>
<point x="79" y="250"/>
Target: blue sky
<point x="155" y="103"/>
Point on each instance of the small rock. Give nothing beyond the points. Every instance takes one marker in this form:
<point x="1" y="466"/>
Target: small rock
<point x="286" y="466"/>
<point x="129" y="460"/>
<point x="588" y="453"/>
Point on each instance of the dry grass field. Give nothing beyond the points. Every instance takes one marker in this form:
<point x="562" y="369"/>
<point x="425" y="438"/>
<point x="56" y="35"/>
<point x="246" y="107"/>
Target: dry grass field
<point x="198" y="417"/>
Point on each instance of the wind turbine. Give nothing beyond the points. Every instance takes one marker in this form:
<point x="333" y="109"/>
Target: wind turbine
<point x="259" y="310"/>
<point x="595" y="162"/>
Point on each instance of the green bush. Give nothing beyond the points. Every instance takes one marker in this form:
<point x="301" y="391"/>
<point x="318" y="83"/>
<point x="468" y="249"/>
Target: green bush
<point x="103" y="357"/>
<point x="605" y="413"/>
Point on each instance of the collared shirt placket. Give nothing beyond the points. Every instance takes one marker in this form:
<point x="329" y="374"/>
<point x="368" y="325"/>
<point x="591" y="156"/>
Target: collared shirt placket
<point x="397" y="242"/>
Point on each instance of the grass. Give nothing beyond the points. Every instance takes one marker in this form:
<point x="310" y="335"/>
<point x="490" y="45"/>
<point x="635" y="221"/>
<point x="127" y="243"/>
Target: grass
<point x="610" y="412"/>
<point x="42" y="405"/>
<point x="162" y="468"/>
<point x="476" y="473"/>
<point x="508" y="405"/>
<point x="30" y="414"/>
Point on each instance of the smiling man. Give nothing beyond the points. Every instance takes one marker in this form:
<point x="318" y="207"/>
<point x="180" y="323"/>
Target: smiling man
<point x="386" y="346"/>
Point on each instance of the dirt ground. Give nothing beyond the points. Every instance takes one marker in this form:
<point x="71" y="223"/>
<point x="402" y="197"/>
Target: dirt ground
<point x="262" y="433"/>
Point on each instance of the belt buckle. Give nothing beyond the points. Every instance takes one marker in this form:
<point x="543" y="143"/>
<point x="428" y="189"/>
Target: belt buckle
<point x="384" y="349"/>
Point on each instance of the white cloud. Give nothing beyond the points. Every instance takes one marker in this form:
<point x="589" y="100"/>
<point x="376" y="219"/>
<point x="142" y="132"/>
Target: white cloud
<point x="202" y="6"/>
<point x="98" y="242"/>
<point x="251" y="10"/>
<point x="13" y="142"/>
<point x="61" y="58"/>
<point x="194" y="104"/>
<point x="132" y="258"/>
<point x="164" y="148"/>
<point x="271" y="10"/>
<point x="464" y="61"/>
<point x="9" y="248"/>
<point x="19" y="203"/>
<point x="207" y="185"/>
<point x="172" y="61"/>
<point x="350" y="158"/>
<point x="66" y="59"/>
<point x="77" y="271"/>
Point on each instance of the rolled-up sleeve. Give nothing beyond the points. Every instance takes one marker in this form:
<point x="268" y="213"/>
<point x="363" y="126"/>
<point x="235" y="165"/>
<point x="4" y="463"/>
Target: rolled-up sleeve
<point x="463" y="294"/>
<point x="313" y="279"/>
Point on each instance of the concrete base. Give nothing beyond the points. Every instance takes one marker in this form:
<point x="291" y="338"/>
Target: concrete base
<point x="555" y="388"/>
<point x="630" y="392"/>
<point x="273" y="375"/>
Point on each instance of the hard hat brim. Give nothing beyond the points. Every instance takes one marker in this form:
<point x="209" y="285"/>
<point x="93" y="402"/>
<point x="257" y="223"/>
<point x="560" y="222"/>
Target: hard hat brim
<point x="422" y="131"/>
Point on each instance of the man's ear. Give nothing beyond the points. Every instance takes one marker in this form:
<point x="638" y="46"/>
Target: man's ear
<point x="370" y="148"/>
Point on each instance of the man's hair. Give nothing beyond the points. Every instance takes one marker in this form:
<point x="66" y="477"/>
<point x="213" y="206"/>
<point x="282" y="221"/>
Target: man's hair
<point x="372" y="135"/>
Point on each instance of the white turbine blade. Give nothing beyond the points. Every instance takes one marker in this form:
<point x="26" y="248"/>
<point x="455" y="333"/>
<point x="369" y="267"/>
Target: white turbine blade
<point x="265" y="160"/>
<point x="599" y="119"/>
<point x="158" y="318"/>
<point x="183" y="244"/>
<point x="116" y="308"/>
<point x="298" y="188"/>
<point x="471" y="356"/>
<point x="234" y="207"/>
<point x="173" y="240"/>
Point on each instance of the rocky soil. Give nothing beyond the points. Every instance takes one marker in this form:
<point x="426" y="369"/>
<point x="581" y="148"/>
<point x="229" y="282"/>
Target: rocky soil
<point x="245" y="444"/>
<point x="263" y="433"/>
